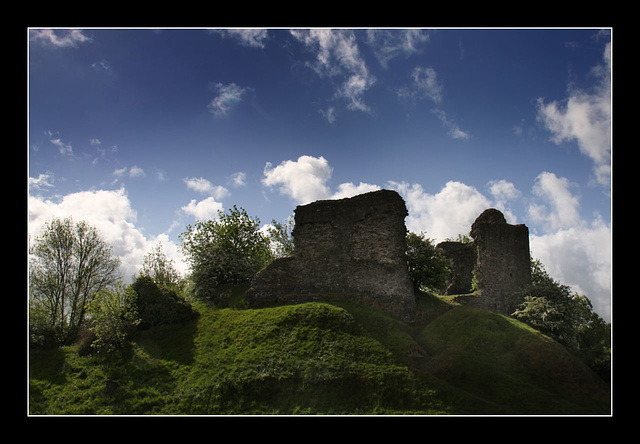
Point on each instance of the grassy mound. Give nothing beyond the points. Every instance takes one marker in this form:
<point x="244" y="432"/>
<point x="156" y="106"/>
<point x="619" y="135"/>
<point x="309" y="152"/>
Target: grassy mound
<point x="321" y="358"/>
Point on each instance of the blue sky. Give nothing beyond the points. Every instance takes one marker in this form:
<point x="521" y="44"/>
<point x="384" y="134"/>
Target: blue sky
<point x="143" y="131"/>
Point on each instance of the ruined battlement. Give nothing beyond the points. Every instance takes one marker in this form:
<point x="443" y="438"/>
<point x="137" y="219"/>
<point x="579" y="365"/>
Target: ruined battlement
<point x="502" y="266"/>
<point x="352" y="248"/>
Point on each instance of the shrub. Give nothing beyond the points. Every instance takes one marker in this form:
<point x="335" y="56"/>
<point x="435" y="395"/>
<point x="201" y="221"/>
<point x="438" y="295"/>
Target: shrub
<point x="112" y="321"/>
<point x="158" y="305"/>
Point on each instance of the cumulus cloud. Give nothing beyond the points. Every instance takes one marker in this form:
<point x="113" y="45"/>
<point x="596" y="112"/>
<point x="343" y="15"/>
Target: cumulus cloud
<point x="585" y="117"/>
<point x="228" y="96"/>
<point x="59" y="38"/>
<point x="349" y="189"/>
<point x="579" y="257"/>
<point x="202" y="185"/>
<point x="503" y="192"/>
<point x="445" y="214"/>
<point x="337" y="55"/>
<point x="110" y="212"/>
<point x="559" y="207"/>
<point x="304" y="180"/>
<point x="206" y="209"/>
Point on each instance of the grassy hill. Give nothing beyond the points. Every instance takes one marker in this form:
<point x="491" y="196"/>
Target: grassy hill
<point x="324" y="358"/>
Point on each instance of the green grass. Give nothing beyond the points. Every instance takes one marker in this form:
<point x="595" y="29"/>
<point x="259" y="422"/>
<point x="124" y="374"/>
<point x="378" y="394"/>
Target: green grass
<point x="322" y="358"/>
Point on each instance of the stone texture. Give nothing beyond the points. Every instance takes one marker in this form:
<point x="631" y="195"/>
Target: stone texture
<point x="351" y="248"/>
<point x="503" y="263"/>
<point x="462" y="258"/>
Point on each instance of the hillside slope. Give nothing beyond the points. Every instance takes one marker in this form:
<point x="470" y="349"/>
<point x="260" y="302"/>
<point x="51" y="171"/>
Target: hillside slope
<point x="324" y="358"/>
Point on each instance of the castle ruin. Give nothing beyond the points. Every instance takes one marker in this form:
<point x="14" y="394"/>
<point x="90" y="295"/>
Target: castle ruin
<point x="352" y="248"/>
<point x="502" y="264"/>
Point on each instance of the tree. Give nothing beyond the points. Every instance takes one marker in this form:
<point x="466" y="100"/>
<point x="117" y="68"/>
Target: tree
<point x="160" y="269"/>
<point x="567" y="317"/>
<point x="280" y="235"/>
<point x="428" y="267"/>
<point x="69" y="264"/>
<point x="230" y="250"/>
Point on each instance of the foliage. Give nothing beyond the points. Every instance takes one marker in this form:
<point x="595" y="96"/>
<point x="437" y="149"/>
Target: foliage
<point x="428" y="267"/>
<point x="230" y="250"/>
<point x="567" y="317"/>
<point x="113" y="318"/>
<point x="281" y="238"/>
<point x="160" y="269"/>
<point x="462" y="238"/>
<point x="158" y="305"/>
<point x="69" y="264"/>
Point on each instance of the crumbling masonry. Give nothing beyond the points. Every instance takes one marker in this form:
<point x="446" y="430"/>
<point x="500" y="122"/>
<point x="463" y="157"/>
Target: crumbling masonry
<point x="351" y="248"/>
<point x="502" y="264"/>
<point x="355" y="249"/>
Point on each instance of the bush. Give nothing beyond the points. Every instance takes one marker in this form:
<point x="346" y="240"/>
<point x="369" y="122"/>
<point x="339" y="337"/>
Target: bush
<point x="112" y="321"/>
<point x="158" y="305"/>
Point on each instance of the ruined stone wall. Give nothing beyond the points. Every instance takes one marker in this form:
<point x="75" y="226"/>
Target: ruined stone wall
<point x="462" y="258"/>
<point x="503" y="266"/>
<point x="351" y="248"/>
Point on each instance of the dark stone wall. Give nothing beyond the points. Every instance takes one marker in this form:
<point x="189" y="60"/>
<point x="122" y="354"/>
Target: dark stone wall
<point x="351" y="248"/>
<point x="504" y="265"/>
<point x="462" y="258"/>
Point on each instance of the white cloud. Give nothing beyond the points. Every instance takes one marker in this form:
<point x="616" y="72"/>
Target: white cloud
<point x="348" y="189"/>
<point x="579" y="257"/>
<point x="64" y="149"/>
<point x="585" y="117"/>
<point x="228" y="96"/>
<point x="132" y="172"/>
<point x="59" y="38"/>
<point x="503" y="192"/>
<point x="202" y="185"/>
<point x="304" y="180"/>
<point x="110" y="212"/>
<point x="388" y="44"/>
<point x="239" y="179"/>
<point x="425" y="85"/>
<point x="454" y="130"/>
<point x="337" y="55"/>
<point x="204" y="210"/>
<point x="443" y="215"/>
<point x="255" y="38"/>
<point x="42" y="181"/>
<point x="559" y="208"/>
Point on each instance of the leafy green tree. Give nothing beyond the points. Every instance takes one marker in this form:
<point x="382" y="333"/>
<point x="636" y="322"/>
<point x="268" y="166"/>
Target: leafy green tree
<point x="280" y="235"/>
<point x="160" y="269"/>
<point x="428" y="267"/>
<point x="112" y="318"/>
<point x="69" y="264"/>
<point x="567" y="317"/>
<point x="230" y="250"/>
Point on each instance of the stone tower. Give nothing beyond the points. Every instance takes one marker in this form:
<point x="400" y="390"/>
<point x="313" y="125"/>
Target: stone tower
<point x="503" y="263"/>
<point x="352" y="248"/>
